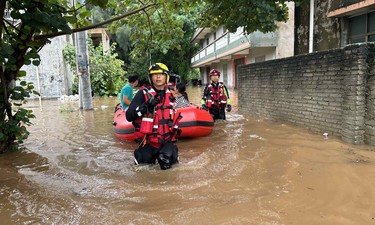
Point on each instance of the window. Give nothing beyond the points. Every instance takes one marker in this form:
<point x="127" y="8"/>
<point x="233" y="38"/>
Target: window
<point x="215" y="36"/>
<point x="362" y="28"/>
<point x="207" y="41"/>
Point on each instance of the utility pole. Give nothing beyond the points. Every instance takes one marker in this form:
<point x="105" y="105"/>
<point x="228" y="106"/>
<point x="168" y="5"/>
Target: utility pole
<point x="83" y="70"/>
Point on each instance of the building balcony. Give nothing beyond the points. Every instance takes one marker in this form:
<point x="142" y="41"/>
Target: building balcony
<point x="231" y="44"/>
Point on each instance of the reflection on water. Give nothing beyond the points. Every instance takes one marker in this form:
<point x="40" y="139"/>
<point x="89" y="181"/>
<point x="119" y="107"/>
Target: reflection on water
<point x="248" y="171"/>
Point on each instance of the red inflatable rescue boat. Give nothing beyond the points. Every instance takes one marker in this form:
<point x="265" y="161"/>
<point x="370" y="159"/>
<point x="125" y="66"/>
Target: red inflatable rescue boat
<point x="195" y="123"/>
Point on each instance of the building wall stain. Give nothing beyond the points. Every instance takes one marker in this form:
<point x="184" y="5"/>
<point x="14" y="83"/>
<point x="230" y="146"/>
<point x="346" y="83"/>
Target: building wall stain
<point x="326" y="30"/>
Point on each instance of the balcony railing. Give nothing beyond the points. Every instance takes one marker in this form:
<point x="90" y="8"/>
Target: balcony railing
<point x="229" y="41"/>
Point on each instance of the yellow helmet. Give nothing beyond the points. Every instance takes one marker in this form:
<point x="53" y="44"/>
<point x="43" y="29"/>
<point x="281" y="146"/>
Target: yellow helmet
<point x="158" y="68"/>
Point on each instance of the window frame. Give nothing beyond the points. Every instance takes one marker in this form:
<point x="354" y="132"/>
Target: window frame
<point x="365" y="35"/>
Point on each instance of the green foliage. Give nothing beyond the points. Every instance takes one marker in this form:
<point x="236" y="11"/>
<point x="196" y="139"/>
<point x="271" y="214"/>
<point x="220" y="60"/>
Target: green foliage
<point x="252" y="15"/>
<point x="139" y="66"/>
<point x="162" y="34"/>
<point x="155" y="29"/>
<point x="69" y="53"/>
<point x="195" y="73"/>
<point x="100" y="15"/>
<point x="106" y="69"/>
<point x="19" y="46"/>
<point x="16" y="127"/>
<point x="122" y="38"/>
<point x="107" y="75"/>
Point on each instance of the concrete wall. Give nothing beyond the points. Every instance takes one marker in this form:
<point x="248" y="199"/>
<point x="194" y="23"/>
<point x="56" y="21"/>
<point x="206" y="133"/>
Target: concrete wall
<point x="331" y="91"/>
<point x="285" y="34"/>
<point x="52" y="78"/>
<point x="267" y="52"/>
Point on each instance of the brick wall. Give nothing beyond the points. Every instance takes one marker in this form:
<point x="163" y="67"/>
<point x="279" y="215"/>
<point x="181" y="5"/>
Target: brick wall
<point x="331" y="91"/>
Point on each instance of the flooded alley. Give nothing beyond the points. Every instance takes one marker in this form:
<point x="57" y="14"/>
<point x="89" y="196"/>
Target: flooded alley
<point x="248" y="171"/>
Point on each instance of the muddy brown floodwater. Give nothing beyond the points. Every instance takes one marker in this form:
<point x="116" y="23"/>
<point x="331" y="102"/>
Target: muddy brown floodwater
<point x="248" y="171"/>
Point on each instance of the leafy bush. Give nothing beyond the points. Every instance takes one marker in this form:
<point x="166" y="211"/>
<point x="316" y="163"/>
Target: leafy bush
<point x="107" y="75"/>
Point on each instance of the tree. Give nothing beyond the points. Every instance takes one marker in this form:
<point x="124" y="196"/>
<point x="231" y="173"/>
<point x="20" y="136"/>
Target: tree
<point x="162" y="34"/>
<point x="252" y="15"/>
<point x="26" y="27"/>
<point x="107" y="75"/>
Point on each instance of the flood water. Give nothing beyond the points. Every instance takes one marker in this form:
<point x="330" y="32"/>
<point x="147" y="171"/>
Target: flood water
<point x="248" y="171"/>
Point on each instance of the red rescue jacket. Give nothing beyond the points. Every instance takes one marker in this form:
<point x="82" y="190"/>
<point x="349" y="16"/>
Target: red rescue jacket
<point x="216" y="97"/>
<point x="165" y="119"/>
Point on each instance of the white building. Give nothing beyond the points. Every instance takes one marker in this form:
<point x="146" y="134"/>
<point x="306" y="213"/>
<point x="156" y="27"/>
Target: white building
<point x="224" y="51"/>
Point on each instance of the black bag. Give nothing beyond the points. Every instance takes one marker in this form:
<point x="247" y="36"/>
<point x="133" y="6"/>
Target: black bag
<point x="146" y="154"/>
<point x="168" y="155"/>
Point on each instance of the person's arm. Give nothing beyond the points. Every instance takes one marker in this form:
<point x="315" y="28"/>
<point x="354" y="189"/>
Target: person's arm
<point x="229" y="106"/>
<point x="205" y="93"/>
<point x="138" y="101"/>
<point x="128" y="94"/>
<point x="227" y="94"/>
<point x="121" y="97"/>
<point x="126" y="100"/>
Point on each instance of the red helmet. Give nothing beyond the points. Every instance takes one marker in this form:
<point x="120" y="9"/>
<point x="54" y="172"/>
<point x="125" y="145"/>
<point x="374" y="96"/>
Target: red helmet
<point x="215" y="72"/>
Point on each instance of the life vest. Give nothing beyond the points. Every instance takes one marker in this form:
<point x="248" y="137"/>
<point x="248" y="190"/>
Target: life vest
<point x="165" y="120"/>
<point x="216" y="97"/>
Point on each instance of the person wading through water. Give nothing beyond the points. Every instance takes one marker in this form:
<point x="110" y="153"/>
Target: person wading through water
<point x="215" y="97"/>
<point x="155" y="120"/>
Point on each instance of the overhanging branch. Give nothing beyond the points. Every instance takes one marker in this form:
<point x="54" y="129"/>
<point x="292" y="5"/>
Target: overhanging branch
<point x="46" y="36"/>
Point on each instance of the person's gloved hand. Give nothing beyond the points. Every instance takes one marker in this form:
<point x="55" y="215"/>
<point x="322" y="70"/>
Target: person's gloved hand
<point x="152" y="102"/>
<point x="204" y="107"/>
<point x="142" y="109"/>
<point x="229" y="108"/>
